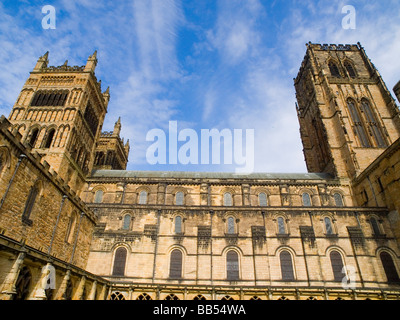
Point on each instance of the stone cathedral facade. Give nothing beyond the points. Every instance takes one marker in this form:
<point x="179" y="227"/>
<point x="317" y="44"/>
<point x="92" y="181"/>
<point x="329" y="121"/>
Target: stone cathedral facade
<point x="75" y="224"/>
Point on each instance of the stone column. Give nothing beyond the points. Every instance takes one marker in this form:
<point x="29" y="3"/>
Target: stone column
<point x="246" y="194"/>
<point x="81" y="288"/>
<point x="63" y="287"/>
<point x="92" y="295"/>
<point x="161" y="193"/>
<point x="103" y="294"/>
<point x="8" y="289"/>
<point x="204" y="194"/>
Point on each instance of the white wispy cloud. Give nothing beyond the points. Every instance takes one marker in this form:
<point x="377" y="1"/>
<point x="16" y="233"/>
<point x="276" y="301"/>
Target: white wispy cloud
<point x="235" y="71"/>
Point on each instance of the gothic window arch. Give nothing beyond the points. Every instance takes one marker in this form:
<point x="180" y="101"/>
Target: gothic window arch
<point x="228" y="202"/>
<point x="262" y="199"/>
<point x="231" y="227"/>
<point x="358" y="124"/>
<point x="334" y="69"/>
<point x="48" y="138"/>
<point x="30" y="202"/>
<point x="286" y="265"/>
<point x="23" y="284"/>
<point x="143" y="197"/>
<point x="338" y="198"/>
<point x="33" y="136"/>
<point x="117" y="296"/>
<point x="91" y="118"/>
<point x="175" y="264"/>
<point x="373" y="124"/>
<point x="49" y="98"/>
<point x="127" y="222"/>
<point x="69" y="236"/>
<point x="178" y="225"/>
<point x="375" y="226"/>
<point x="389" y="267"/>
<point x="328" y="226"/>
<point x="144" y="296"/>
<point x="199" y="297"/>
<point x="179" y="198"/>
<point x="337" y="265"/>
<point x="227" y="298"/>
<point x="306" y="198"/>
<point x="171" y="297"/>
<point x="119" y="262"/>
<point x="98" y="198"/>
<point x="350" y="69"/>
<point x="232" y="265"/>
<point x="281" y="225"/>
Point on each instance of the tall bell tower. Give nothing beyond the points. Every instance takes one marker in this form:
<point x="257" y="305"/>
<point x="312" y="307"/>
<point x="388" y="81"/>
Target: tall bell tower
<point x="60" y="113"/>
<point x="347" y="115"/>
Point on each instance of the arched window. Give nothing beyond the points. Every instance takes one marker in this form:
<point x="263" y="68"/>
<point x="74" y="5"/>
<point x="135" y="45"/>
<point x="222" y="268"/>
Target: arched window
<point x="338" y="199"/>
<point x="334" y="69"/>
<point x="23" y="284"/>
<point x="98" y="198"/>
<point x="49" y="138"/>
<point x="175" y="265"/>
<point x="231" y="225"/>
<point x="358" y="125"/>
<point x="337" y="265"/>
<point x="117" y="296"/>
<point x="30" y="202"/>
<point x="232" y="265"/>
<point x="375" y="226"/>
<point x="178" y="224"/>
<point x="227" y="199"/>
<point x="306" y="199"/>
<point x="171" y="297"/>
<point x="179" y="198"/>
<point x="199" y="297"/>
<point x="144" y="296"/>
<point x="71" y="228"/>
<point x="350" y="69"/>
<point x="373" y="124"/>
<point x="227" y="298"/>
<point x="328" y="226"/>
<point x="119" y="262"/>
<point x="389" y="267"/>
<point x="127" y="222"/>
<point x="34" y="135"/>
<point x="262" y="199"/>
<point x="286" y="266"/>
<point x="143" y="197"/>
<point x="281" y="225"/>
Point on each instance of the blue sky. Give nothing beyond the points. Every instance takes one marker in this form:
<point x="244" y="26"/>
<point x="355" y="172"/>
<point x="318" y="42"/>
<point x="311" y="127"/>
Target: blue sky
<point x="205" y="64"/>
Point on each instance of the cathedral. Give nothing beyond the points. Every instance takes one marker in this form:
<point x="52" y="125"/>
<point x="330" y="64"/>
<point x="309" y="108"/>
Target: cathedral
<point x="76" y="225"/>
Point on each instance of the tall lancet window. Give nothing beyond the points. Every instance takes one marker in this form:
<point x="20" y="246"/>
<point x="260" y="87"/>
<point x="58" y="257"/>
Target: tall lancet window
<point x="373" y="124"/>
<point x="357" y="123"/>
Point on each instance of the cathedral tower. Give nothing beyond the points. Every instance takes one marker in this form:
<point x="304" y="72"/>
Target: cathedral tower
<point x="396" y="90"/>
<point x="347" y="115"/>
<point x="60" y="112"/>
<point x="111" y="152"/>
